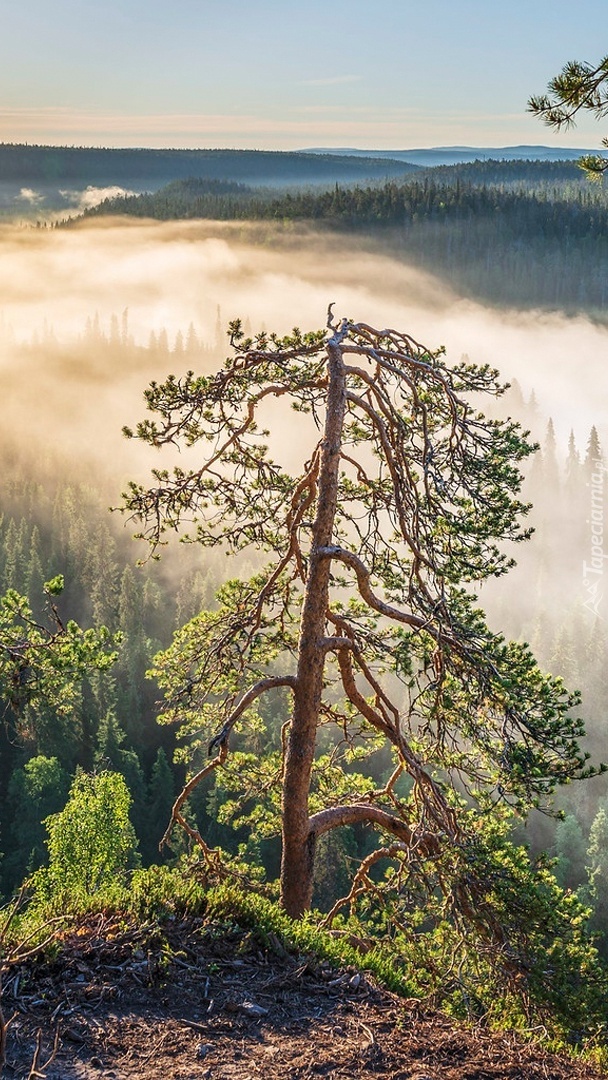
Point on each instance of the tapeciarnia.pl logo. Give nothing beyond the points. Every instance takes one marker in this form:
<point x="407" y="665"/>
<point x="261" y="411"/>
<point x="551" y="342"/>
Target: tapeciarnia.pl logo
<point x="593" y="570"/>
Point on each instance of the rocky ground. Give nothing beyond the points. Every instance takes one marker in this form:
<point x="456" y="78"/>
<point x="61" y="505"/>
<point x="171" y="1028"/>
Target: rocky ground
<point x="198" y="1002"/>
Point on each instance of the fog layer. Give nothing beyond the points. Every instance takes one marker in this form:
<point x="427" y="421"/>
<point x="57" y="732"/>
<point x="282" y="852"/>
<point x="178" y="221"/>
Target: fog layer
<point x="64" y="293"/>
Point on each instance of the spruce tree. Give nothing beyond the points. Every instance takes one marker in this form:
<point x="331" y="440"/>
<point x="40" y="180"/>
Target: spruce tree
<point x="159" y="802"/>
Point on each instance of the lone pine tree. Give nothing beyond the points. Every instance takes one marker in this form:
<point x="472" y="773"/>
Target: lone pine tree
<point x="364" y="614"/>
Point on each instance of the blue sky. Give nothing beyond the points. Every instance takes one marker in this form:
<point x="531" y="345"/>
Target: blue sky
<point x="283" y="75"/>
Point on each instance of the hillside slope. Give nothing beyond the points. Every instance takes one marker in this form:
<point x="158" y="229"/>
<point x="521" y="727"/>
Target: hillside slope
<point x="452" y="155"/>
<point x="198" y="999"/>
<point x="147" y="169"/>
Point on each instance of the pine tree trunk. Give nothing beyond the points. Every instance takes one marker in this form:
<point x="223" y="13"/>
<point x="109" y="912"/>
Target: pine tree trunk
<point x="298" y="842"/>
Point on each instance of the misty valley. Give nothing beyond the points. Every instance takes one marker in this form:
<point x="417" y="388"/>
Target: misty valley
<point x="117" y="272"/>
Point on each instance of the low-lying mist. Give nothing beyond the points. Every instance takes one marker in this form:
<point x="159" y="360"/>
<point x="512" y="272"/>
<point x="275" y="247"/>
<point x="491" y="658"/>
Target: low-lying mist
<point x="151" y="278"/>
<point x="91" y="313"/>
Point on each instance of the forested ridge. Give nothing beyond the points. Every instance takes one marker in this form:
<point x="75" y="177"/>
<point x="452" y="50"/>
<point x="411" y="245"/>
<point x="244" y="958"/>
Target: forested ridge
<point x="528" y="234"/>
<point x="29" y="164"/>
<point x="478" y="188"/>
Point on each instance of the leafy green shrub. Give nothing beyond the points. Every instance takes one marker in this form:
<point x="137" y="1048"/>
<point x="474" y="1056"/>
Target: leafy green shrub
<point x="91" y="842"/>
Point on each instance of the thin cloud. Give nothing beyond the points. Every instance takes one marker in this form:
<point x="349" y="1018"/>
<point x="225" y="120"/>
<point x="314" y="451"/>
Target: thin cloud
<point x="377" y="127"/>
<point x="332" y="80"/>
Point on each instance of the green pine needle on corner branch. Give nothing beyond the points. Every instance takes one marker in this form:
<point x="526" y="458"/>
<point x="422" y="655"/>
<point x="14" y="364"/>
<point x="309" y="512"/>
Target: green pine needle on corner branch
<point x="579" y="87"/>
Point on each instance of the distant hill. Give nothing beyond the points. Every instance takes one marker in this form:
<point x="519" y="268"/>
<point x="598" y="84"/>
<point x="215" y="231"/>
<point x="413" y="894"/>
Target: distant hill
<point x="454" y="155"/>
<point x="549" y="191"/>
<point x="149" y="169"/>
<point x="516" y="233"/>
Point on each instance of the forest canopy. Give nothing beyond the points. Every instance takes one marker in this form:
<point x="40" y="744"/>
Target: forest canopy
<point x="531" y="234"/>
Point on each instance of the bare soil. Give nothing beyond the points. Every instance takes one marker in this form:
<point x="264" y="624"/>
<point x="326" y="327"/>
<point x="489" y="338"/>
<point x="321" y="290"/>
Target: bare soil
<point x="195" y="1002"/>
